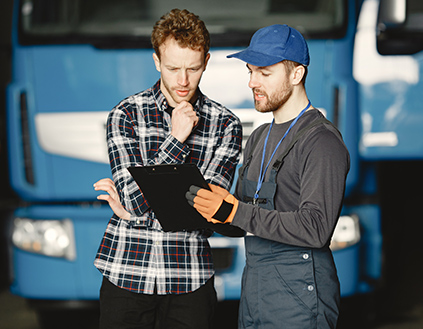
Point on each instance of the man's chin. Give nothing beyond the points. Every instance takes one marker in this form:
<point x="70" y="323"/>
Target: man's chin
<point x="262" y="109"/>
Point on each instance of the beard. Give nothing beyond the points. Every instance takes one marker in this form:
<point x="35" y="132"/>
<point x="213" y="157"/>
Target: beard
<point x="273" y="102"/>
<point x="171" y="92"/>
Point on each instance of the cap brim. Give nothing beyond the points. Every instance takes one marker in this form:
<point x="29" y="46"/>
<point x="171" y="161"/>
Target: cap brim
<point x="256" y="58"/>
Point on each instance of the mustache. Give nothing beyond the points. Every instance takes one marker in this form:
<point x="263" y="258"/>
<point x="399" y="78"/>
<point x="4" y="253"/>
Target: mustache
<point x="259" y="92"/>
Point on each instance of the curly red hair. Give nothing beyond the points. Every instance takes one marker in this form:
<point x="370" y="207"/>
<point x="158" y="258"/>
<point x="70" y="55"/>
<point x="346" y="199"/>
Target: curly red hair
<point x="185" y="27"/>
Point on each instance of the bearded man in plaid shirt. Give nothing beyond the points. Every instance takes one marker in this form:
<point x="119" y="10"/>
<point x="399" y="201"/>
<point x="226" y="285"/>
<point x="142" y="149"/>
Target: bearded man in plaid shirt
<point x="150" y="275"/>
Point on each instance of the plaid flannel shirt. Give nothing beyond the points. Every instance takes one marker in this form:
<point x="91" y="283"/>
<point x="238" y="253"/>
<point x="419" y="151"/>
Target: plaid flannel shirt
<point x="138" y="255"/>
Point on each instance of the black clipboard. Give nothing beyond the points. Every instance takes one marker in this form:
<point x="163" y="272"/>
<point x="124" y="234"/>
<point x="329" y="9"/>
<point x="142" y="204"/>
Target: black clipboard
<point x="164" y="187"/>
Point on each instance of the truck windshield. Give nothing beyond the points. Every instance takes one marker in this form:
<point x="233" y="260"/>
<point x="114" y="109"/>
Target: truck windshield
<point x="128" y="23"/>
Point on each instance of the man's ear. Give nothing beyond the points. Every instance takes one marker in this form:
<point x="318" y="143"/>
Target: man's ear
<point x="206" y="61"/>
<point x="298" y="73"/>
<point x="156" y="62"/>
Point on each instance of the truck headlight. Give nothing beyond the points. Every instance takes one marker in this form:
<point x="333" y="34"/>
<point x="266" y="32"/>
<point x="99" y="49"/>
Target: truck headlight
<point x="53" y="238"/>
<point x="347" y="233"/>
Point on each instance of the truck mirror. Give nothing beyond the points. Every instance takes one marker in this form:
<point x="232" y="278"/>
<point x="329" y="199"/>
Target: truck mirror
<point x="399" y="31"/>
<point x="392" y="14"/>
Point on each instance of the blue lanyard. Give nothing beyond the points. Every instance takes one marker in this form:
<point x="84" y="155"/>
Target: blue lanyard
<point x="262" y="174"/>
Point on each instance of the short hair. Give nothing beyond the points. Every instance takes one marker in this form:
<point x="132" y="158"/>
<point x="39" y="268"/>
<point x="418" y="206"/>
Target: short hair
<point x="290" y="65"/>
<point x="185" y="27"/>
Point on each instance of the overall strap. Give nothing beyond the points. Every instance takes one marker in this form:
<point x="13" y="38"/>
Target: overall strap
<point x="259" y="133"/>
<point x="278" y="163"/>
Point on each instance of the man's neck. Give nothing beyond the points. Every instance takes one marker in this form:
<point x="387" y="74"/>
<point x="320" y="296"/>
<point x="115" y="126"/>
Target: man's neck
<point x="292" y="108"/>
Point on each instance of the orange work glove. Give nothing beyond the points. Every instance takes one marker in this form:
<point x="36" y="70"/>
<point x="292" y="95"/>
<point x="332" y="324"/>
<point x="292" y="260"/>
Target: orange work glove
<point x="217" y="205"/>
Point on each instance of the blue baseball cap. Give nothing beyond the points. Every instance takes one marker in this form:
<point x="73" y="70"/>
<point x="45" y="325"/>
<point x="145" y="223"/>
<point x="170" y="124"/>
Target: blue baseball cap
<point x="273" y="44"/>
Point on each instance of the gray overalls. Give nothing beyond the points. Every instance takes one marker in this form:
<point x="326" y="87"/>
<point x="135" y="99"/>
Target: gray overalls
<point x="285" y="286"/>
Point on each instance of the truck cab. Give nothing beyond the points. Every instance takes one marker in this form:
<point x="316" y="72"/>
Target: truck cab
<point x="74" y="60"/>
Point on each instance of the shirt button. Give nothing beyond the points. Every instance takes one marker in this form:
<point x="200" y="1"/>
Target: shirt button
<point x="157" y="243"/>
<point x="310" y="288"/>
<point x="305" y="256"/>
<point x="138" y="221"/>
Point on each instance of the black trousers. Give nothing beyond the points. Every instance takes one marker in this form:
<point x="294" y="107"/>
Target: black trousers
<point x="122" y="309"/>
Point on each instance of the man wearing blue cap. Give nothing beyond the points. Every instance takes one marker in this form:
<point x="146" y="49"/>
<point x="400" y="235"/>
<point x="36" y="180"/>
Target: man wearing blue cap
<point x="289" y="194"/>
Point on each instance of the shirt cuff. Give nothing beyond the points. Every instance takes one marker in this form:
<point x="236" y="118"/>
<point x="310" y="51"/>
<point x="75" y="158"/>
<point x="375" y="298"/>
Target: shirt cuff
<point x="173" y="151"/>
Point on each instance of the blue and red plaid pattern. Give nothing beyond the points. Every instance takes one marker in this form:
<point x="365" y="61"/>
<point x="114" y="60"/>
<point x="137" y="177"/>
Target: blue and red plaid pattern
<point x="137" y="255"/>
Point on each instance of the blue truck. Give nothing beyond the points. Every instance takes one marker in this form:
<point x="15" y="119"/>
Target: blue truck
<point x="73" y="60"/>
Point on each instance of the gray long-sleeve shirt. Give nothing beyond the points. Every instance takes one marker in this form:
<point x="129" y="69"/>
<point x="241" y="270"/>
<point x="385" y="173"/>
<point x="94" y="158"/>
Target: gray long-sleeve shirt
<point x="310" y="185"/>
